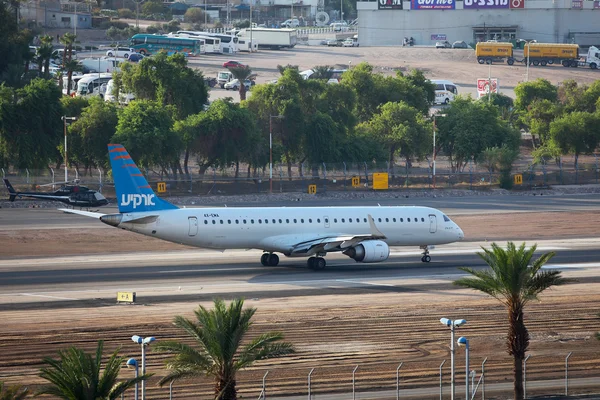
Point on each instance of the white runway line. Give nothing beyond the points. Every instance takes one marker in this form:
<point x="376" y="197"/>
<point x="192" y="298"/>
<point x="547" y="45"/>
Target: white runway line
<point x="49" y="297"/>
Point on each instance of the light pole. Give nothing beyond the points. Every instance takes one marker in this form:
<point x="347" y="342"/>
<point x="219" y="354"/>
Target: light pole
<point x="341" y="10"/>
<point x="527" y="68"/>
<point x="463" y="341"/>
<point x="65" y="119"/>
<point x="271" y="150"/>
<point x="133" y="364"/>
<point x="143" y="342"/>
<point x="434" y="152"/>
<point x="452" y="325"/>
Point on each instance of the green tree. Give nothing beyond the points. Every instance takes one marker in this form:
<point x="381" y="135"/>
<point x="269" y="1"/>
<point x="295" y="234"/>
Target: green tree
<point x="539" y="115"/>
<point x="218" y="334"/>
<point x="30" y="124"/>
<point x="403" y="130"/>
<point x="577" y="133"/>
<point x="514" y="279"/>
<point x="14" y="45"/>
<point x="469" y="128"/>
<point x="75" y="375"/>
<point x="69" y="65"/>
<point x="322" y="72"/>
<point x="499" y="159"/>
<point x="152" y="7"/>
<point x="282" y="68"/>
<point x="15" y="392"/>
<point x="194" y="15"/>
<point x="94" y="129"/>
<point x="44" y="54"/>
<point x="145" y="128"/>
<point x="167" y="80"/>
<point x="241" y="74"/>
<point x="540" y="89"/>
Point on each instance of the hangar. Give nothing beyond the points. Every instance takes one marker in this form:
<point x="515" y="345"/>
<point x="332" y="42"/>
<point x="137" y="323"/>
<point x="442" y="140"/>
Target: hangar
<point x="388" y="22"/>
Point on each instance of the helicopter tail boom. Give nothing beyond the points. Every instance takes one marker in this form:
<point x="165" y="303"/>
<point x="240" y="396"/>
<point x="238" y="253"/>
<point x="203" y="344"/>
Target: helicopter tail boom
<point x="11" y="191"/>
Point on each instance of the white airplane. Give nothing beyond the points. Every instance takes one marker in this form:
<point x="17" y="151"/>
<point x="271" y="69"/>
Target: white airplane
<point x="364" y="234"/>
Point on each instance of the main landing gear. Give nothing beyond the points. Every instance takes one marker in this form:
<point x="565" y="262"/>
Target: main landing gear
<point x="316" y="263"/>
<point x="426" y="257"/>
<point x="269" y="260"/>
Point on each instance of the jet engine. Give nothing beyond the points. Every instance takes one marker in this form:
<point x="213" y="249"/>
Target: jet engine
<point x="370" y="251"/>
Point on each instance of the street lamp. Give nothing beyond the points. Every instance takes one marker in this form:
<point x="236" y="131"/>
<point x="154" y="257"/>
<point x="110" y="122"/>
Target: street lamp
<point x="271" y="149"/>
<point x="434" y="152"/>
<point x="133" y="364"/>
<point x="463" y="341"/>
<point x="65" y="119"/>
<point x="143" y="342"/>
<point x="452" y="324"/>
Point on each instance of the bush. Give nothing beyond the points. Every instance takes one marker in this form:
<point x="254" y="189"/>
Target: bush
<point x="219" y="25"/>
<point x="172" y="26"/>
<point x="155" y="28"/>
<point x="125" y="13"/>
<point x="193" y="15"/>
<point x="242" y="24"/>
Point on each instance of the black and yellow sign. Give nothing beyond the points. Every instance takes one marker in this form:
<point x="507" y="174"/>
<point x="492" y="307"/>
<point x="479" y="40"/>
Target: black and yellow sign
<point x="312" y="189"/>
<point x="380" y="181"/>
<point x="161" y="187"/>
<point x="355" y="181"/>
<point x="126" y="297"/>
<point x="518" y="179"/>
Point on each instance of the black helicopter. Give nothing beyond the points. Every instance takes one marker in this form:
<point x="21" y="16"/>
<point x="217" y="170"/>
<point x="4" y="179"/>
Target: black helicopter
<point x="73" y="195"/>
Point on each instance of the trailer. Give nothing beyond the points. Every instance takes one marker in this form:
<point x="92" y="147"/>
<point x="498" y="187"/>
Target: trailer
<point x="270" y="38"/>
<point x="489" y="52"/>
<point x="551" y="53"/>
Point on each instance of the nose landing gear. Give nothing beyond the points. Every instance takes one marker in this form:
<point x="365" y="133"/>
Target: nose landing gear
<point x="426" y="257"/>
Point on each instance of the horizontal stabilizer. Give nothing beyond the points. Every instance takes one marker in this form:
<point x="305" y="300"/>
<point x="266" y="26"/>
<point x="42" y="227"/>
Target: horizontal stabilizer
<point x="80" y="212"/>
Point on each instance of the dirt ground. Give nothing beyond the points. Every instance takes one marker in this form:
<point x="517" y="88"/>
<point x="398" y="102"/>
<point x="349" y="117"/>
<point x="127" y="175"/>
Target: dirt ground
<point x="332" y="333"/>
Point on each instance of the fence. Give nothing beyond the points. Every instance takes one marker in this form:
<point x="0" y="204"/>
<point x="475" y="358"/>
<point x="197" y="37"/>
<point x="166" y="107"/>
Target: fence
<point x="295" y="178"/>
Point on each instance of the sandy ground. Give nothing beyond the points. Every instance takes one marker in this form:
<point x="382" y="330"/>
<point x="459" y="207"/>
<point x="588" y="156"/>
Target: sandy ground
<point x="333" y="333"/>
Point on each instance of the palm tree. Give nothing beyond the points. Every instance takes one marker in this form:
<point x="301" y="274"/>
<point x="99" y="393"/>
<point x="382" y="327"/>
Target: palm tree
<point x="219" y="334"/>
<point x="71" y="66"/>
<point x="513" y="280"/>
<point x="324" y="72"/>
<point x="12" y="392"/>
<point x="68" y="39"/>
<point x="44" y="54"/>
<point x="76" y="376"/>
<point x="241" y="74"/>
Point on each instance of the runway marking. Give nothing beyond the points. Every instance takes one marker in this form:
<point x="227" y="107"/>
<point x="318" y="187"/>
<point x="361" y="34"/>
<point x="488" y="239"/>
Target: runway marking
<point x="567" y="266"/>
<point x="364" y="283"/>
<point x="49" y="297"/>
<point x="472" y="250"/>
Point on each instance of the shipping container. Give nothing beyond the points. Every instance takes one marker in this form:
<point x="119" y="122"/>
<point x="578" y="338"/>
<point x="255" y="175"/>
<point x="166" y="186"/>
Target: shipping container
<point x="488" y="52"/>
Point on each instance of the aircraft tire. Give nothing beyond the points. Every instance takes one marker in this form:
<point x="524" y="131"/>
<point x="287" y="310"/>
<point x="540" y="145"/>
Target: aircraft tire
<point x="311" y="262"/>
<point x="426" y="259"/>
<point x="320" y="264"/>
<point x="273" y="260"/>
<point x="264" y="259"/>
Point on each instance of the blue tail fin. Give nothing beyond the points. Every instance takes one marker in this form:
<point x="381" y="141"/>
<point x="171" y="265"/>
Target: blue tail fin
<point x="134" y="194"/>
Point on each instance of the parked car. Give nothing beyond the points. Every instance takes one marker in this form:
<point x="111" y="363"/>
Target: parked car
<point x="120" y="52"/>
<point x="459" y="44"/>
<point x="290" y="23"/>
<point x="232" y="64"/>
<point x="136" y="57"/>
<point x="348" y="43"/>
<point x="235" y="84"/>
<point x="335" y="42"/>
<point x="443" y="45"/>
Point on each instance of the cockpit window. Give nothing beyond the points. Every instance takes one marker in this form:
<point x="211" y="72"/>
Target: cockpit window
<point x="446" y="219"/>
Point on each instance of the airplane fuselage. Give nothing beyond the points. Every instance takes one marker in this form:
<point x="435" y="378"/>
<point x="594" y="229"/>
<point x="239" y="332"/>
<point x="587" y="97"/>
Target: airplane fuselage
<point x="275" y="228"/>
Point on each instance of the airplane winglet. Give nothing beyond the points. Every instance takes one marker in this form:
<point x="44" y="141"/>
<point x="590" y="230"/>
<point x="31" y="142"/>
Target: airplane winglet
<point x="376" y="233"/>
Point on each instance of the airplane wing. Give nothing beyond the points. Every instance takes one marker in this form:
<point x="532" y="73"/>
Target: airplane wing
<point x="309" y="246"/>
<point x="80" y="212"/>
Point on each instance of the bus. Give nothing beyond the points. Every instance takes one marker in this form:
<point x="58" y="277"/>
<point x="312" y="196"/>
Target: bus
<point x="91" y="82"/>
<point x="445" y="91"/>
<point x="74" y="79"/>
<point x="229" y="43"/>
<point x="212" y="43"/>
<point x="147" y="44"/>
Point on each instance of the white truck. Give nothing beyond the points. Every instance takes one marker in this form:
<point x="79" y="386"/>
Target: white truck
<point x="223" y="77"/>
<point x="102" y="64"/>
<point x="592" y="59"/>
<point x="270" y="38"/>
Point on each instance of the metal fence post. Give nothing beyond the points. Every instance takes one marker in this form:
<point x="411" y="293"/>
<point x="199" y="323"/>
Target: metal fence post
<point x="567" y="373"/>
<point x="562" y="182"/>
<point x="99" y="179"/>
<point x="280" y="179"/>
<point x="483" y="379"/>
<point x="525" y="376"/>
<point x="324" y="177"/>
<point x="27" y="172"/>
<point x="171" y="390"/>
<point x="309" y="388"/>
<point x="366" y="174"/>
<point x="345" y="175"/>
<point x="354" y="383"/>
<point x="3" y="173"/>
<point x="263" y="394"/>
<point x="398" y="381"/>
<point x="52" y="172"/>
<point x="191" y="181"/>
<point x="596" y="159"/>
<point x="441" y="376"/>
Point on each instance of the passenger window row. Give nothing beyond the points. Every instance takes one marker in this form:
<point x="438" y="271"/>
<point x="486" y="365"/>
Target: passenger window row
<point x="310" y="221"/>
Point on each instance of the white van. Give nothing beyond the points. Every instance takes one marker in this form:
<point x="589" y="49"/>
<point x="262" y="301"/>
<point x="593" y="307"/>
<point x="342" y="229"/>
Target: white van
<point x="445" y="91"/>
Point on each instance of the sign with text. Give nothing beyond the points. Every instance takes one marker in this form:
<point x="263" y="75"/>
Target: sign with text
<point x="380" y="181"/>
<point x="389" y="4"/>
<point x="474" y="4"/>
<point x="577" y="4"/>
<point x="483" y="87"/>
<point x="432" y="4"/>
<point x="126" y="297"/>
<point x="438" y="36"/>
<point x="596" y="4"/>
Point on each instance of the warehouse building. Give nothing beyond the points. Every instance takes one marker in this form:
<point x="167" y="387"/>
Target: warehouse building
<point x="388" y="22"/>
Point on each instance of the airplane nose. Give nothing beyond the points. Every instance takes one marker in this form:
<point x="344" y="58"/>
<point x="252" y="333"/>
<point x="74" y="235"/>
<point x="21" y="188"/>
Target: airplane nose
<point x="461" y="234"/>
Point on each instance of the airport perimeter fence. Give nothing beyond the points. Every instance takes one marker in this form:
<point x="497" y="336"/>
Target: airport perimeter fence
<point x="326" y="177"/>
<point x="554" y="375"/>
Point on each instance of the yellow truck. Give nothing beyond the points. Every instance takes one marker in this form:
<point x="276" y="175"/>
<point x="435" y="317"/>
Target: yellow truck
<point x="488" y="52"/>
<point x="550" y="53"/>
